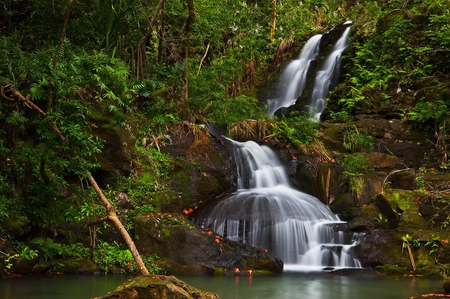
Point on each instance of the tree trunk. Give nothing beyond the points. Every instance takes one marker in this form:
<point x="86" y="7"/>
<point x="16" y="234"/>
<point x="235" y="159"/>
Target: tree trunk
<point x="273" y="20"/>
<point x="58" y="50"/>
<point x="140" y="49"/>
<point x="112" y="216"/>
<point x="187" y="33"/>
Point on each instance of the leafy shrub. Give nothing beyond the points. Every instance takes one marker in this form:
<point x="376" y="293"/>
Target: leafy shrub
<point x="354" y="166"/>
<point x="296" y="129"/>
<point x="357" y="140"/>
<point x="109" y="257"/>
<point x="232" y="110"/>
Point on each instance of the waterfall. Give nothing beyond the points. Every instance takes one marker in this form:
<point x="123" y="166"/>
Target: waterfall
<point x="327" y="77"/>
<point x="268" y="213"/>
<point x="293" y="78"/>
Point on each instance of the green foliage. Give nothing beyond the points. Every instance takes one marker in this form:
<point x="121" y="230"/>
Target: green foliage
<point x="295" y="129"/>
<point x="357" y="140"/>
<point x="354" y="165"/>
<point x="232" y="110"/>
<point x="157" y="163"/>
<point x="110" y="257"/>
<point x="157" y="115"/>
<point x="47" y="248"/>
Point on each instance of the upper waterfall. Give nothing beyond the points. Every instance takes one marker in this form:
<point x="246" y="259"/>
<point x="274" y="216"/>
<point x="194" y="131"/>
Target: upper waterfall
<point x="327" y="77"/>
<point x="293" y="79"/>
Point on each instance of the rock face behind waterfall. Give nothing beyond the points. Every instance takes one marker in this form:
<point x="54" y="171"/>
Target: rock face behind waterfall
<point x="185" y="249"/>
<point x="202" y="170"/>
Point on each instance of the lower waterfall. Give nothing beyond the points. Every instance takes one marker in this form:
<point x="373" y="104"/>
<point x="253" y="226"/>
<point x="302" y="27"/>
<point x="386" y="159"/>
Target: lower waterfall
<point x="268" y="213"/>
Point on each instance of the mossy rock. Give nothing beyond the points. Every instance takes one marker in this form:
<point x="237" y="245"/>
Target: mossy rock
<point x="391" y="269"/>
<point x="77" y="265"/>
<point x="188" y="250"/>
<point x="14" y="224"/>
<point x="157" y="287"/>
<point x="119" y="142"/>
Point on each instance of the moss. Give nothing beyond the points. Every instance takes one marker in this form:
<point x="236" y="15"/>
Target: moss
<point x="215" y="157"/>
<point x="218" y="270"/>
<point x="402" y="198"/>
<point x="75" y="265"/>
<point x="15" y="224"/>
<point x="181" y="178"/>
<point x="391" y="269"/>
<point x="147" y="177"/>
<point x="262" y="272"/>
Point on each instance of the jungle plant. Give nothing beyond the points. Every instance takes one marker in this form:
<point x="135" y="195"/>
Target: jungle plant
<point x="111" y="257"/>
<point x="296" y="129"/>
<point x="357" y="140"/>
<point x="231" y="110"/>
<point x="420" y="182"/>
<point x="50" y="250"/>
<point x="354" y="166"/>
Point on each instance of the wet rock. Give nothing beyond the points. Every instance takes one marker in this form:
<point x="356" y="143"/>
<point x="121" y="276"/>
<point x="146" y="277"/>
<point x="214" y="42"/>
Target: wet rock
<point x="185" y="249"/>
<point x="332" y="36"/>
<point x="360" y="273"/>
<point x="118" y="149"/>
<point x="388" y="248"/>
<point x="24" y="266"/>
<point x="202" y="169"/>
<point x="157" y="287"/>
<point x="446" y="286"/>
<point x="380" y="160"/>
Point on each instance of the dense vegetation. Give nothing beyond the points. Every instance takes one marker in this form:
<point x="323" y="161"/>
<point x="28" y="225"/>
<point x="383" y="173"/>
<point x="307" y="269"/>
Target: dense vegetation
<point x="157" y="63"/>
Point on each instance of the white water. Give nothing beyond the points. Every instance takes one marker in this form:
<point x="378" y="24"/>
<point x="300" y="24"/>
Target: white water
<point x="267" y="213"/>
<point x="293" y="79"/>
<point x="327" y="77"/>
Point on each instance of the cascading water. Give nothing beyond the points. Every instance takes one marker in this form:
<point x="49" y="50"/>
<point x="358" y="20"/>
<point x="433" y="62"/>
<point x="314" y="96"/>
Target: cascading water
<point x="267" y="213"/>
<point x="293" y="79"/>
<point x="327" y="77"/>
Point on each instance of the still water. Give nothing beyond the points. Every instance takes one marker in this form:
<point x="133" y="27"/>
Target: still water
<point x="314" y="286"/>
<point x="285" y="286"/>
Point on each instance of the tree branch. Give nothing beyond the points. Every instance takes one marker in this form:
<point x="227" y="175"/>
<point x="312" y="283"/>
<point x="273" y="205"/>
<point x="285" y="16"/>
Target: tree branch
<point x="3" y="94"/>
<point x="203" y="58"/>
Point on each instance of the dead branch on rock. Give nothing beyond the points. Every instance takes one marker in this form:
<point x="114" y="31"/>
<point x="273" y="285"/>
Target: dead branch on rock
<point x="391" y="173"/>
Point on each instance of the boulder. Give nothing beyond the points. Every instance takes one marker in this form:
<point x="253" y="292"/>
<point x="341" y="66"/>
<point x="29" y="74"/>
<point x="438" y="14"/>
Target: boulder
<point x="202" y="169"/>
<point x="118" y="148"/>
<point x="184" y="249"/>
<point x="157" y="287"/>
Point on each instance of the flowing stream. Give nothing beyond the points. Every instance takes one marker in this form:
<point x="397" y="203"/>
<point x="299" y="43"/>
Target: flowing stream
<point x="268" y="213"/>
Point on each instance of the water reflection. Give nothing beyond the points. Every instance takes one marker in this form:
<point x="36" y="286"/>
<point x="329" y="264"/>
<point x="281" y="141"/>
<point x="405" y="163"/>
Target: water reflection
<point x="59" y="286"/>
<point x="317" y="286"/>
<point x="286" y="286"/>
